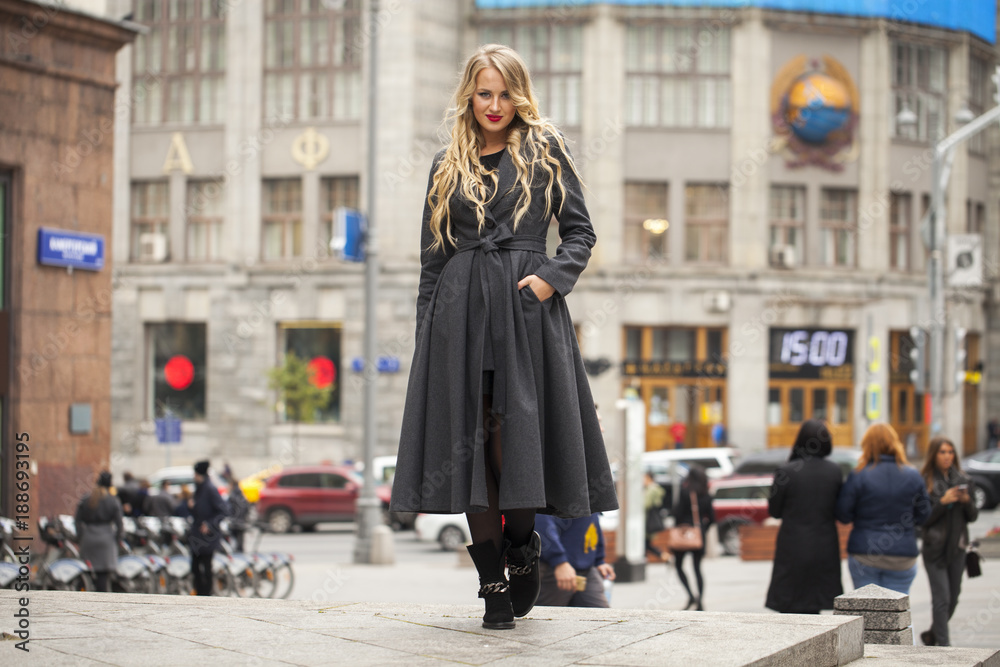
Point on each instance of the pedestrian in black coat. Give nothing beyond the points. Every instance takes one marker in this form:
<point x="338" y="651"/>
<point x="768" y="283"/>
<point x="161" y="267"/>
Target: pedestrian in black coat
<point x="806" y="573"/>
<point x="499" y="419"/>
<point x="695" y="484"/>
<point x="209" y="509"/>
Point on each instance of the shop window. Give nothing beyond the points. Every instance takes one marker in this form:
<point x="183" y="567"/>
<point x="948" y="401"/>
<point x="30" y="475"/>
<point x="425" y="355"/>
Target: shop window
<point x="320" y="345"/>
<point x="796" y="405"/>
<point x="633" y="343"/>
<point x="177" y="361"/>
<point x="714" y="343"/>
<point x="659" y="407"/>
<point x="840" y="407"/>
<point x="681" y="345"/>
<point x="819" y="404"/>
<point x="773" y="406"/>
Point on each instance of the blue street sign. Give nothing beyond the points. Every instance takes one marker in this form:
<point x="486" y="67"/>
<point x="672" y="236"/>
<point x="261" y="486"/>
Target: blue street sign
<point x="168" y="430"/>
<point x="349" y="228"/>
<point x="58" y="247"/>
<point x="382" y="364"/>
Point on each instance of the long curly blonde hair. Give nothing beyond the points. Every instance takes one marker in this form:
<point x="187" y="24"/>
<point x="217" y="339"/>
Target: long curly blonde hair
<point x="460" y="168"/>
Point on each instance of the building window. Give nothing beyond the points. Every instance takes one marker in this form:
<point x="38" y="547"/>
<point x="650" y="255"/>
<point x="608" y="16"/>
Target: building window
<point x="677" y="76"/>
<point x="900" y="216"/>
<point x="177" y="364"/>
<point x="186" y="51"/>
<point x="788" y="219"/>
<point x="337" y="192"/>
<point x="150" y="219"/>
<point x="554" y="55"/>
<point x="706" y="223"/>
<point x="979" y="99"/>
<point x="920" y="83"/>
<point x="312" y="59"/>
<point x="282" y="219"/>
<point x="838" y="227"/>
<point x="646" y="206"/>
<point x="319" y="344"/>
<point x="204" y="213"/>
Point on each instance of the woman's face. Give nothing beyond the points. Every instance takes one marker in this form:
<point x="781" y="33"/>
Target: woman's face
<point x="492" y="106"/>
<point x="945" y="457"/>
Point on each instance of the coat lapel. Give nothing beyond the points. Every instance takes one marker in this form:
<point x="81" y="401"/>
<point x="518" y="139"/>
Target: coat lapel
<point x="506" y="180"/>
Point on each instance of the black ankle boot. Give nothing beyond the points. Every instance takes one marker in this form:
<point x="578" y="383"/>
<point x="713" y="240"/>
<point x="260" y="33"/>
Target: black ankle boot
<point x="525" y="580"/>
<point x="493" y="586"/>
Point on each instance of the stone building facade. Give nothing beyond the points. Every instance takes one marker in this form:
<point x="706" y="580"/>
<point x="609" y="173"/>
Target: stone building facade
<point x="747" y="272"/>
<point x="57" y="92"/>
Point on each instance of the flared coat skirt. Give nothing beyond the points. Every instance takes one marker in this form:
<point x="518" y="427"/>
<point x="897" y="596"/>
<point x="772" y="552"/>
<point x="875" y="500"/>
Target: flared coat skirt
<point x="554" y="457"/>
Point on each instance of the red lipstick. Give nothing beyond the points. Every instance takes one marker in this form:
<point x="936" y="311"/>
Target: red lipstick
<point x="493" y="119"/>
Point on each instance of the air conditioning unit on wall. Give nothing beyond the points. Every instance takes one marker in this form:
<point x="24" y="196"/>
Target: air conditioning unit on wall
<point x="718" y="302"/>
<point x="783" y="256"/>
<point x="152" y="247"/>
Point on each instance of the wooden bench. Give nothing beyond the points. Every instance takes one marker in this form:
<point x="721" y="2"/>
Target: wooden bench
<point x="757" y="542"/>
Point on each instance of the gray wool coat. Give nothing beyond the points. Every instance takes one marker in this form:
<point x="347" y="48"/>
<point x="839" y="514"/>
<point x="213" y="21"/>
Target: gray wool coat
<point x="470" y="309"/>
<point x="98" y="530"/>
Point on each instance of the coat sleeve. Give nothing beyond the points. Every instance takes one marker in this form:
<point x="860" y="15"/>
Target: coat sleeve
<point x="553" y="551"/>
<point x="921" y="502"/>
<point x="81" y="526"/>
<point x="779" y="490"/>
<point x="432" y="262"/>
<point x="847" y="499"/>
<point x="599" y="550"/>
<point x="576" y="233"/>
<point x="119" y="523"/>
<point x="970" y="509"/>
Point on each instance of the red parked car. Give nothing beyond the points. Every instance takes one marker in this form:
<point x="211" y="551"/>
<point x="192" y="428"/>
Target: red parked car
<point x="739" y="500"/>
<point x="307" y="495"/>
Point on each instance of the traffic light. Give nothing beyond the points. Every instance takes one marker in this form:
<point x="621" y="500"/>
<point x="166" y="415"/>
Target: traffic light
<point x="918" y="353"/>
<point x="960" y="355"/>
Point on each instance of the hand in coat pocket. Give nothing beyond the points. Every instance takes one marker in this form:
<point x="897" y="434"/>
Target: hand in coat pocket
<point x="542" y="289"/>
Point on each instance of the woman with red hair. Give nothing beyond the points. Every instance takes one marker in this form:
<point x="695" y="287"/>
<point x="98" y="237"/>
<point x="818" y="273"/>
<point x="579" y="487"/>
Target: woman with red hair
<point x="886" y="499"/>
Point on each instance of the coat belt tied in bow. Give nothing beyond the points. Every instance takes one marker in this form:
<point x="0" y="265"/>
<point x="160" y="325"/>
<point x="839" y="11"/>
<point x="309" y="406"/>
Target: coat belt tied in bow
<point x="496" y="295"/>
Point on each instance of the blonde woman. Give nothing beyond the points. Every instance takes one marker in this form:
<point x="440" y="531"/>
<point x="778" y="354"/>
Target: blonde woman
<point x="886" y="500"/>
<point x="499" y="421"/>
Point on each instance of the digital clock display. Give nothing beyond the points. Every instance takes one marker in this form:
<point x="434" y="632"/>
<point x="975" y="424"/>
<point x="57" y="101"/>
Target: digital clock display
<point x="812" y="353"/>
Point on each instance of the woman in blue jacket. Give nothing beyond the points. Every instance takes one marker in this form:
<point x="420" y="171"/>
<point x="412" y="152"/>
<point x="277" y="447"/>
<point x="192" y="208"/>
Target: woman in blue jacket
<point x="886" y="500"/>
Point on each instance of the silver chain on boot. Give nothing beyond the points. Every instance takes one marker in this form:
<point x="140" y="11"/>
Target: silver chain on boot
<point x="492" y="588"/>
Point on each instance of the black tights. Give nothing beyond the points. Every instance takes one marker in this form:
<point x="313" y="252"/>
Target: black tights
<point x="696" y="556"/>
<point x="488" y="526"/>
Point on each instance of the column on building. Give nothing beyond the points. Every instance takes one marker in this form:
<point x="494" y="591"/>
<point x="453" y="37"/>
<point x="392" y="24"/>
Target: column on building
<point x="747" y="373"/>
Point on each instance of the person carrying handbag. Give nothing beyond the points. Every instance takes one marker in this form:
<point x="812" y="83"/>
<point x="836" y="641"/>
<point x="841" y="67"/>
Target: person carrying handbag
<point x="694" y="508"/>
<point x="945" y="534"/>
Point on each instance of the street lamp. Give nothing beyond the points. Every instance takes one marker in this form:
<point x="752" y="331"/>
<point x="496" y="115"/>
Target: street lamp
<point x="944" y="155"/>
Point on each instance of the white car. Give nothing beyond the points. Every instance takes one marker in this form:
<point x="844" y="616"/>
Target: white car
<point x="717" y="461"/>
<point x="451" y="531"/>
<point x="177" y="476"/>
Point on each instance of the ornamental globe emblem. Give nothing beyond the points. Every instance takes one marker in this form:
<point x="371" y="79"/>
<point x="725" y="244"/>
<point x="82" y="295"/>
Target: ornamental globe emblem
<point x="814" y="112"/>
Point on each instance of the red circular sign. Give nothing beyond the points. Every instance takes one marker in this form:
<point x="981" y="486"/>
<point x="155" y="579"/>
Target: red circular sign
<point x="179" y="372"/>
<point x="322" y="372"/>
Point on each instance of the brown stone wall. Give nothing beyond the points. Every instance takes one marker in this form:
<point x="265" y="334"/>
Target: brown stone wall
<point x="57" y="117"/>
